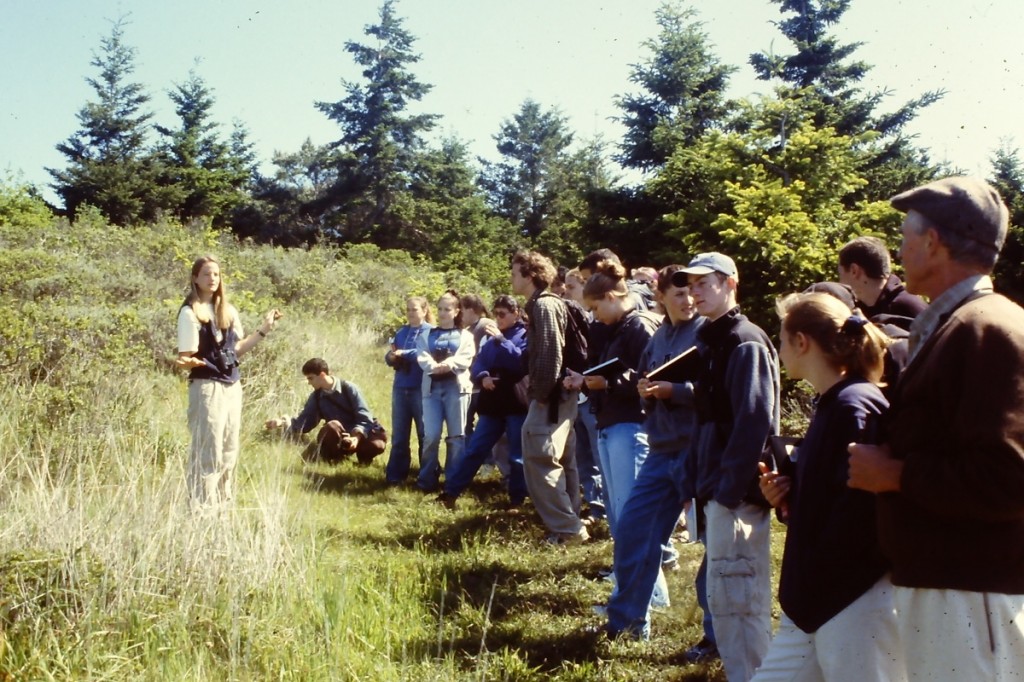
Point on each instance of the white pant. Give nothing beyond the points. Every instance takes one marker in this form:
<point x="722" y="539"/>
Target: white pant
<point x="739" y="585"/>
<point x="214" y="419"/>
<point x="858" y="644"/>
<point x="956" y="635"/>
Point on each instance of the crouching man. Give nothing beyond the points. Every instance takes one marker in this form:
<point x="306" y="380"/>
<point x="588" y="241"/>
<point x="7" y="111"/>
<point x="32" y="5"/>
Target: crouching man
<point x="349" y="428"/>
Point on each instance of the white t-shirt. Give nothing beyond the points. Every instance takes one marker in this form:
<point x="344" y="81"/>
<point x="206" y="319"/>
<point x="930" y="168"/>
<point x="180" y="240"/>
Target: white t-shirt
<point x="188" y="328"/>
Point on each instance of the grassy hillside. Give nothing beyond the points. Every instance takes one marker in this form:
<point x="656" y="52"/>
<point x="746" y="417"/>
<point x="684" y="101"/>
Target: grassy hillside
<point x="318" y="573"/>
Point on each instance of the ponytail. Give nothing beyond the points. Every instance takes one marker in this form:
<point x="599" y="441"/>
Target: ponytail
<point x="850" y="342"/>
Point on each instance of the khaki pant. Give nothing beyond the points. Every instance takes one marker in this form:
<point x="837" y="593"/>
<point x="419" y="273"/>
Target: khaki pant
<point x="739" y="585"/>
<point x="957" y="635"/>
<point x="214" y="420"/>
<point x="549" y="464"/>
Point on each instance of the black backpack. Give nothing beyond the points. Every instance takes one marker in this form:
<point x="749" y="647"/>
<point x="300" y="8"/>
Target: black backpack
<point x="577" y="336"/>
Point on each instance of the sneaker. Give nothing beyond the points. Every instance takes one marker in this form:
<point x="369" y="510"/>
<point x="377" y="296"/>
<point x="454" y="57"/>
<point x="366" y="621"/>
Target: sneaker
<point x="568" y="538"/>
<point x="703" y="651"/>
<point x="670" y="565"/>
<point x="447" y="500"/>
<point x="600" y="610"/>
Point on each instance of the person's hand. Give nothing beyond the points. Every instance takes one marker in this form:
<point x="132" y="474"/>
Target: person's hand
<point x="491" y="329"/>
<point x="440" y="370"/>
<point x="774" y="487"/>
<point x="269" y="320"/>
<point x="489" y="383"/>
<point x="350" y="442"/>
<point x="659" y="390"/>
<point x="573" y="381"/>
<point x="872" y="468"/>
<point x="276" y="423"/>
<point x="189" y="362"/>
<point x="596" y="383"/>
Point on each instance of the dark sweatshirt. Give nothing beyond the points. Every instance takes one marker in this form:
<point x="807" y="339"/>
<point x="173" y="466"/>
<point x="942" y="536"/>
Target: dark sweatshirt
<point x="832" y="554"/>
<point x="627" y="339"/>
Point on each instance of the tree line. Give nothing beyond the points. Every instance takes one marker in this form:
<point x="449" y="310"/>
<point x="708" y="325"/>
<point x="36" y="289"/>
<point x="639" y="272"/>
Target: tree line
<point x="778" y="180"/>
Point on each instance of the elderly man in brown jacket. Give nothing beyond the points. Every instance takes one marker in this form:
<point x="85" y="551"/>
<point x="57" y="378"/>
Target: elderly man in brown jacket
<point x="950" y="477"/>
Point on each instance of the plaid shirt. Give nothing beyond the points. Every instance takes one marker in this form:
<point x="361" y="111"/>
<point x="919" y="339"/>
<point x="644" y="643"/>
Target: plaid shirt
<point x="545" y="341"/>
<point x="932" y="317"/>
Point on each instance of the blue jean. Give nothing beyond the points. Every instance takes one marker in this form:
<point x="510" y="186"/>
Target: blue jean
<point x="587" y="460"/>
<point x="622" y="449"/>
<point x="443" y="406"/>
<point x="647" y="519"/>
<point x="406" y="410"/>
<point x="486" y="434"/>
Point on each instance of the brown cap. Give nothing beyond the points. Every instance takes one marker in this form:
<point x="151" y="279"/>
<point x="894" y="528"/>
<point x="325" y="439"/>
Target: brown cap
<point x="967" y="206"/>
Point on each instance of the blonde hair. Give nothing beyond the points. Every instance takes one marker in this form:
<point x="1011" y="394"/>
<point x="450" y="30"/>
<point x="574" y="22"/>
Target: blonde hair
<point x="850" y="342"/>
<point x="424" y="304"/>
<point x="221" y="307"/>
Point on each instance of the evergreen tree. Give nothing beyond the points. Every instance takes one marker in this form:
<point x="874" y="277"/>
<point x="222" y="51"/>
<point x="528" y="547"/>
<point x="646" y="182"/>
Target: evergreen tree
<point x="380" y="139"/>
<point x="204" y="178"/>
<point x="682" y="93"/>
<point x="108" y="166"/>
<point x="822" y="72"/>
<point x="523" y="186"/>
<point x="1008" y="178"/>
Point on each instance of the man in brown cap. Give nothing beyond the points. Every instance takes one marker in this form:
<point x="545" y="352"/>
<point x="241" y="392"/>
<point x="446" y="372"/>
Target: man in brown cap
<point x="952" y="466"/>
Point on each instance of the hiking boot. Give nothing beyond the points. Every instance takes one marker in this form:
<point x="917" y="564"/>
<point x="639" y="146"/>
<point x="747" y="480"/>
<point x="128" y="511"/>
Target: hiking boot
<point x="703" y="651"/>
<point x="447" y="500"/>
<point x="568" y="538"/>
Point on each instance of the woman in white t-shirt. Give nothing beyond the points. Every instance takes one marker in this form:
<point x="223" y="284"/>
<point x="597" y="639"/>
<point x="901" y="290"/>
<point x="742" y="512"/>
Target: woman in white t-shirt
<point x="210" y="342"/>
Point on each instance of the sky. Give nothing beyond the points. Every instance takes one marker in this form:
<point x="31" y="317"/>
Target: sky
<point x="269" y="61"/>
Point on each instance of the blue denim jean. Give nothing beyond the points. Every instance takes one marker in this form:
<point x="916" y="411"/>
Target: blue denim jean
<point x="406" y="411"/>
<point x="587" y="461"/>
<point x="647" y="520"/>
<point x="622" y="449"/>
<point x="444" y="406"/>
<point x="486" y="434"/>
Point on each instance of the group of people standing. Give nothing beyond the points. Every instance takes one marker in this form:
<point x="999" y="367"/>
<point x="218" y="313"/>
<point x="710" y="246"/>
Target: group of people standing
<point x="917" y="438"/>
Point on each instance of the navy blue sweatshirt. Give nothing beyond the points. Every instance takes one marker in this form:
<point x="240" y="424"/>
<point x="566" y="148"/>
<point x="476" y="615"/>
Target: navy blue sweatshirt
<point x="832" y="554"/>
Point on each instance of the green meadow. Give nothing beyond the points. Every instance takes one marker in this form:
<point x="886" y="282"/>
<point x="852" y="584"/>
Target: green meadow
<point x="317" y="572"/>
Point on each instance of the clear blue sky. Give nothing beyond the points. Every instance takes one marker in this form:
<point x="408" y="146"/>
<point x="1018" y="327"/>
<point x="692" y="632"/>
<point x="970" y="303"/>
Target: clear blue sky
<point x="268" y="61"/>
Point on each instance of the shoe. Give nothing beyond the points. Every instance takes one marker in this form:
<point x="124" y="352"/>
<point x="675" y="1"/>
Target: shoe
<point x="600" y="610"/>
<point x="703" y="651"/>
<point x="447" y="500"/>
<point x="568" y="538"/>
<point x="603" y="573"/>
<point x="670" y="565"/>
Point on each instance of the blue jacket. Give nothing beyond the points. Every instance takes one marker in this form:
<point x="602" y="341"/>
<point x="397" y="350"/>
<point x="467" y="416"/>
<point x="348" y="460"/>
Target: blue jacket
<point x="342" y="402"/>
<point x="501" y="358"/>
<point x="408" y="373"/>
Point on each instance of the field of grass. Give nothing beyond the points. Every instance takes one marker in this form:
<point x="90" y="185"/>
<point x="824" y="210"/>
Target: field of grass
<point x="317" y="572"/>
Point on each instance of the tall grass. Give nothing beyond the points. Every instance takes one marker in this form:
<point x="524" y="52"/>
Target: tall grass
<point x="316" y="572"/>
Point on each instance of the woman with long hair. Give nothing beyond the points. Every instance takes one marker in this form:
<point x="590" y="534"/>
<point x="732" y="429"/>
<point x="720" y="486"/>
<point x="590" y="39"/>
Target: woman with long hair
<point x="407" y="389"/>
<point x="444" y="354"/>
<point x="497" y="369"/>
<point x="838" y="620"/>
<point x="210" y="343"/>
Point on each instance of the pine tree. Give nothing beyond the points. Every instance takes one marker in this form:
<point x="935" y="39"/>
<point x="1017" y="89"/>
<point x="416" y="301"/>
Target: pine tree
<point x="822" y="72"/>
<point x="1008" y="178"/>
<point x="521" y="187"/>
<point x="203" y="177"/>
<point x="682" y="91"/>
<point x="108" y="166"/>
<point x="380" y="139"/>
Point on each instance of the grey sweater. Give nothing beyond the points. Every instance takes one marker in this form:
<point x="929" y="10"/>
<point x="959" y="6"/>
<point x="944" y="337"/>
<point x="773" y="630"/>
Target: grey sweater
<point x="670" y="423"/>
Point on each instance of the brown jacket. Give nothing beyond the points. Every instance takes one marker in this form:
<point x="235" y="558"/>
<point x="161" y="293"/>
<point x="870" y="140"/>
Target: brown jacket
<point x="957" y="421"/>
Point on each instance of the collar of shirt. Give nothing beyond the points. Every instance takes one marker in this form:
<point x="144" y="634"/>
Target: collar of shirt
<point x="932" y="317"/>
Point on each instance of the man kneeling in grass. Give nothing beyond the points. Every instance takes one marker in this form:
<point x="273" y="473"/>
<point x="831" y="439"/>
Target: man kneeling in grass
<point x="349" y="428"/>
